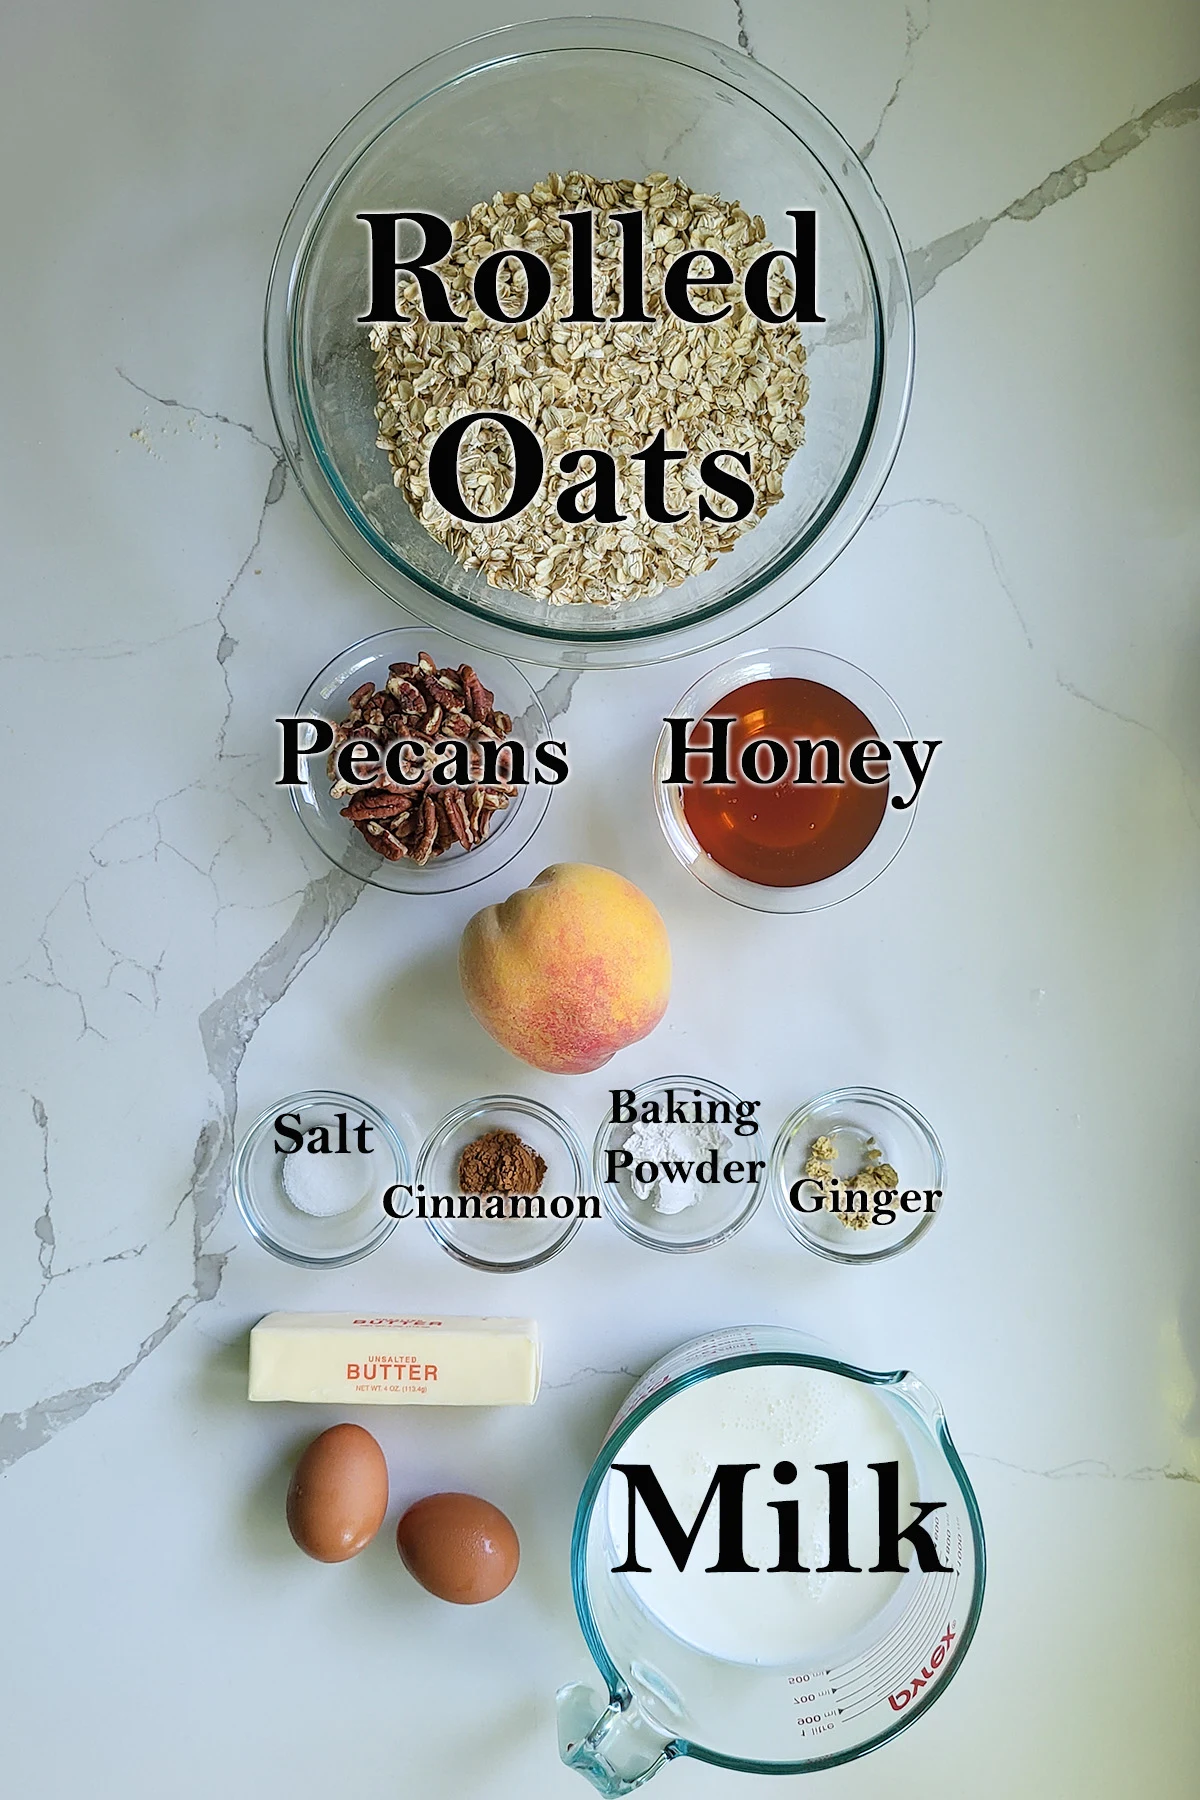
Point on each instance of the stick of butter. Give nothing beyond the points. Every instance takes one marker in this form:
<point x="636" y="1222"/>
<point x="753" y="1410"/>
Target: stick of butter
<point x="375" y="1359"/>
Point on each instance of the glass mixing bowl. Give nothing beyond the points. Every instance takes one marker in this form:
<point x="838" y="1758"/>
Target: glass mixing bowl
<point x="615" y="98"/>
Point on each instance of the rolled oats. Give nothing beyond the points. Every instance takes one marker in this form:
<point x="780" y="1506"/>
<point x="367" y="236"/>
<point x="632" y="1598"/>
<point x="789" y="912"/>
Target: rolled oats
<point x="735" y="384"/>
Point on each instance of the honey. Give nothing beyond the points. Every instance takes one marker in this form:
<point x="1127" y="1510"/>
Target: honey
<point x="782" y="831"/>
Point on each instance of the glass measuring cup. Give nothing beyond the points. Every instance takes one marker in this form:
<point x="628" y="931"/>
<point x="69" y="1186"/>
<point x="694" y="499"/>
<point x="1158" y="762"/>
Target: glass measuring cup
<point x="666" y="1697"/>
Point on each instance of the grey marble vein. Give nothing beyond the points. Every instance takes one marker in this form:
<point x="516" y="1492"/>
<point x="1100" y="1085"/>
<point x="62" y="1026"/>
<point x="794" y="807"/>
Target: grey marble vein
<point x="914" y="31"/>
<point x="276" y="482"/>
<point x="226" y="1029"/>
<point x="59" y="653"/>
<point x="52" y="981"/>
<point x="48" y="976"/>
<point x="960" y="512"/>
<point x="743" y="35"/>
<point x="43" y="1228"/>
<point x="927" y="264"/>
<point x="1068" y="687"/>
<point x="1111" y="712"/>
<point x="198" y="412"/>
<point x="226" y="643"/>
<point x="555" y="694"/>
<point x="1089" y="1469"/>
<point x="44" y="1232"/>
<point x="587" y="1371"/>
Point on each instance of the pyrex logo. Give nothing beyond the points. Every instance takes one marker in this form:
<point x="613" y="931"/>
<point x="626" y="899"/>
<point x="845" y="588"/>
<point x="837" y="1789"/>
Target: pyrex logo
<point x="900" y="1700"/>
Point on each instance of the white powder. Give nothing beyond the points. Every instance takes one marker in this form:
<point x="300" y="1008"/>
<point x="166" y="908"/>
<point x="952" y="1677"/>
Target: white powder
<point x="326" y="1184"/>
<point x="672" y="1143"/>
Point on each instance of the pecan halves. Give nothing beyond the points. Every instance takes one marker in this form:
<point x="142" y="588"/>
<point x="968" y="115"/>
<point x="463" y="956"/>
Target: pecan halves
<point x="424" y="704"/>
<point x="409" y="699"/>
<point x="455" y="810"/>
<point x="490" y="803"/>
<point x="478" y="698"/>
<point x="445" y="833"/>
<point x="427" y="832"/>
<point x="377" y="803"/>
<point x="381" y="839"/>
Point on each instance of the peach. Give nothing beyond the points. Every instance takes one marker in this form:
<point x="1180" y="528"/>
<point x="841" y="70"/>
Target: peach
<point x="569" y="970"/>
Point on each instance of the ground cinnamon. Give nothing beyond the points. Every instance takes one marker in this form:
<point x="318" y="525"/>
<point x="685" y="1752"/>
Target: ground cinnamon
<point x="499" y="1163"/>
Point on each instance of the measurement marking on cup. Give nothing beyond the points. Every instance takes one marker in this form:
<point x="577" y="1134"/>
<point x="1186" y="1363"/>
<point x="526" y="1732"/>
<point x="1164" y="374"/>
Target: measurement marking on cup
<point x="894" y="1648"/>
<point x="882" y="1665"/>
<point x="859" y="1695"/>
<point x="913" y="1629"/>
<point x="901" y="1697"/>
<point x="894" y="1651"/>
<point x="865" y="1689"/>
<point x="855" y="1699"/>
<point x="820" y="1717"/>
<point x="926" y="1601"/>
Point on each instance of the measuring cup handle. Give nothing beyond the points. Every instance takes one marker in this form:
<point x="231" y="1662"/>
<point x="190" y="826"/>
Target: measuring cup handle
<point x="610" y="1741"/>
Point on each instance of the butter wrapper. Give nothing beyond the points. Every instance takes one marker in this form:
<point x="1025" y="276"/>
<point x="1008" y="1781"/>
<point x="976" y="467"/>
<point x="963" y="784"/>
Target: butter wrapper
<point x="376" y="1359"/>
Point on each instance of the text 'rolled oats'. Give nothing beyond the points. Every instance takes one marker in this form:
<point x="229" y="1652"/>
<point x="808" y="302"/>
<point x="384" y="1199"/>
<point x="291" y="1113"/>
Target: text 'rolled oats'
<point x="734" y="384"/>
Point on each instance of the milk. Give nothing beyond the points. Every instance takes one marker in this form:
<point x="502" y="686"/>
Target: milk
<point x="769" y="1414"/>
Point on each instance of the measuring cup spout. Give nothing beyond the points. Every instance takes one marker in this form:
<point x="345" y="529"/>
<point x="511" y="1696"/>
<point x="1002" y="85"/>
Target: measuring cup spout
<point x="612" y="1742"/>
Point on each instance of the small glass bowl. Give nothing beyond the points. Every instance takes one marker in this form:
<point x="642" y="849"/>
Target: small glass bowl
<point x="705" y="697"/>
<point x="505" y="1245"/>
<point x="327" y="697"/>
<point x="723" y="1208"/>
<point x="308" y="1241"/>
<point x="851" y="1116"/>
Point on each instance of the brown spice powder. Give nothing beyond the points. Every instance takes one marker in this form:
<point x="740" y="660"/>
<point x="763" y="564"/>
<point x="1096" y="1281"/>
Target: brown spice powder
<point x="499" y="1163"/>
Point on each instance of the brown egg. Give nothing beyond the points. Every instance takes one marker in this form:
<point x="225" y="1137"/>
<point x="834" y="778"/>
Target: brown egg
<point x="459" y="1547"/>
<point x="339" y="1494"/>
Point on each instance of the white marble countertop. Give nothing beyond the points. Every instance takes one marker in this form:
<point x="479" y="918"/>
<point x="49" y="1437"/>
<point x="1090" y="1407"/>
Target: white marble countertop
<point x="177" y="956"/>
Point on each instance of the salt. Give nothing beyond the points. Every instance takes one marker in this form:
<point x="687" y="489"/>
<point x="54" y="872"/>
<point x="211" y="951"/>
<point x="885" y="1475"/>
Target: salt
<point x="326" y="1184"/>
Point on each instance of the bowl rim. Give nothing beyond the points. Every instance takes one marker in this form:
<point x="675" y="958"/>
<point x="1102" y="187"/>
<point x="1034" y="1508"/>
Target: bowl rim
<point x="785" y="661"/>
<point x="533" y="802"/>
<point x="846" y="1096"/>
<point x="888" y="400"/>
<point x="243" y="1198"/>
<point x="614" y="1205"/>
<point x="555" y="1121"/>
